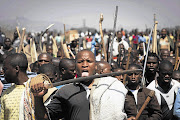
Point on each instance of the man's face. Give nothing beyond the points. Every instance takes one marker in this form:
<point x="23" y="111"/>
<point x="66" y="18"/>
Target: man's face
<point x="119" y="35"/>
<point x="134" y="78"/>
<point x="125" y="62"/>
<point x="152" y="63"/>
<point x="52" y="76"/>
<point x="165" y="75"/>
<point x="85" y="64"/>
<point x="70" y="71"/>
<point x="163" y="32"/>
<point x="7" y="43"/>
<point x="49" y="50"/>
<point x="97" y="47"/>
<point x="165" y="54"/>
<point x="104" y="68"/>
<point x="120" y="77"/>
<point x="9" y="72"/>
<point x="176" y="76"/>
<point x="44" y="59"/>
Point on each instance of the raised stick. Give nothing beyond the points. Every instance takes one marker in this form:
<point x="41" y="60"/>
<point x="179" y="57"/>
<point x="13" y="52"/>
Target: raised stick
<point x="177" y="55"/>
<point x="71" y="52"/>
<point x="151" y="94"/>
<point x="55" y="48"/>
<point x="64" y="46"/>
<point x="127" y="64"/>
<point x="114" y="29"/>
<point x="154" y="42"/>
<point x="144" y="69"/>
<point x="50" y="85"/>
<point x="102" y="40"/>
<point x="21" y="39"/>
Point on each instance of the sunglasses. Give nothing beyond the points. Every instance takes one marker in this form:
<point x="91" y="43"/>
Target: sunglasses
<point x="43" y="60"/>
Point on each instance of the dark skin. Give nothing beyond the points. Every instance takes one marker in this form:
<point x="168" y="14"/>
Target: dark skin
<point x="151" y="68"/>
<point x="52" y="76"/>
<point x="49" y="49"/>
<point x="133" y="79"/>
<point x="85" y="66"/>
<point x="103" y="67"/>
<point x="44" y="58"/>
<point x="152" y="64"/>
<point x="69" y="71"/>
<point x="176" y="75"/>
<point x="141" y="48"/>
<point x="13" y="74"/>
<point x="133" y="82"/>
<point x="7" y="44"/>
<point x="124" y="62"/>
<point x="172" y="60"/>
<point x="163" y="33"/>
<point x="119" y="36"/>
<point x="165" y="75"/>
<point x="120" y="77"/>
<point x="165" y="54"/>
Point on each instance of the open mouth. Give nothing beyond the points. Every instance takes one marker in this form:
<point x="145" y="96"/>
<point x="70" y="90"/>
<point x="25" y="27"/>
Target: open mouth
<point x="84" y="73"/>
<point x="151" y="69"/>
<point x="133" y="81"/>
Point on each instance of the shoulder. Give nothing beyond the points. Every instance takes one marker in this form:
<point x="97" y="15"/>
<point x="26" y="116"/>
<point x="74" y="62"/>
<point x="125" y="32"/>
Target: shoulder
<point x="152" y="85"/>
<point x="146" y="90"/>
<point x="7" y="91"/>
<point x="69" y="89"/>
<point x="114" y="84"/>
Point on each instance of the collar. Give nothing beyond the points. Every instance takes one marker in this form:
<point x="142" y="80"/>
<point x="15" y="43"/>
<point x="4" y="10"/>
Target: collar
<point x="87" y="90"/>
<point x="159" y="88"/>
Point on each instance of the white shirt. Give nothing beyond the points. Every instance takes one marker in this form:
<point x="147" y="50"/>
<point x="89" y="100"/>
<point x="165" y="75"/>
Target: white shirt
<point x="135" y="92"/>
<point x="169" y="96"/>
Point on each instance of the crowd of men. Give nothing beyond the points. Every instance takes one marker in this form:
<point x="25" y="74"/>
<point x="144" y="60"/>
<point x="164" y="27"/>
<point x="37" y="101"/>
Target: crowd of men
<point x="25" y="95"/>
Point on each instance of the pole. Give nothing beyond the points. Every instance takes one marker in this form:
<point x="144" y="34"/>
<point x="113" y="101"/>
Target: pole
<point x="50" y="85"/>
<point x="143" y="78"/>
<point x="114" y="31"/>
<point x="102" y="40"/>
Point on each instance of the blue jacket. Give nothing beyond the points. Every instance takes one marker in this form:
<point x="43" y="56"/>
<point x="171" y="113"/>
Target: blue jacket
<point x="177" y="105"/>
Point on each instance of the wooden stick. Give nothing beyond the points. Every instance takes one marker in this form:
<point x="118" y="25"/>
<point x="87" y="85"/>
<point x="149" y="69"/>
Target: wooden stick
<point x="178" y="35"/>
<point x="102" y="40"/>
<point x="154" y="41"/>
<point x="71" y="53"/>
<point x="55" y="48"/>
<point x="64" y="46"/>
<point x="114" y="29"/>
<point x="151" y="94"/>
<point x="90" y="77"/>
<point x="21" y="39"/>
<point x="17" y="29"/>
<point x="127" y="64"/>
<point x="16" y="49"/>
<point x="177" y="55"/>
<point x="23" y="36"/>
<point x="32" y="60"/>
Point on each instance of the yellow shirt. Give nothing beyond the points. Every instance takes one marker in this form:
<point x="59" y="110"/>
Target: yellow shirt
<point x="10" y="101"/>
<point x="164" y="43"/>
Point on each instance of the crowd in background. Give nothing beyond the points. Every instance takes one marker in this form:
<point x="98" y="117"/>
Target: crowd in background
<point x="162" y="73"/>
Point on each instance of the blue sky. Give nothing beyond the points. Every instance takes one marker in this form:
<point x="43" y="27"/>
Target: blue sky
<point x="131" y="13"/>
